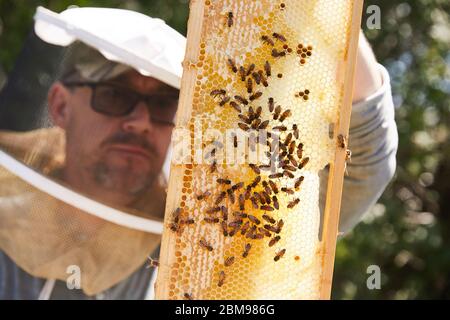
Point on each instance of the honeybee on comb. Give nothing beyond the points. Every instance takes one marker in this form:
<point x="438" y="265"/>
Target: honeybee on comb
<point x="230" y="19"/>
<point x="232" y="65"/>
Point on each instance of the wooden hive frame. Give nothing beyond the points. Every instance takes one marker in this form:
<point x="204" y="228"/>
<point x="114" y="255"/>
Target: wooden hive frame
<point x="337" y="168"/>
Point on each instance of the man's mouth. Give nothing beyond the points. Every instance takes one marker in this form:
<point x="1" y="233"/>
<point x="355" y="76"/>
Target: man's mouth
<point x="132" y="150"/>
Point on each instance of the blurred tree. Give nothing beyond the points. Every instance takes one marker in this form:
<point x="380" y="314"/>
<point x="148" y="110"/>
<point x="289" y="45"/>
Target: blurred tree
<point x="407" y="233"/>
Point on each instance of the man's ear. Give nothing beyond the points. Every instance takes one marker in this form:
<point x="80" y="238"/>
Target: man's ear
<point x="59" y="109"/>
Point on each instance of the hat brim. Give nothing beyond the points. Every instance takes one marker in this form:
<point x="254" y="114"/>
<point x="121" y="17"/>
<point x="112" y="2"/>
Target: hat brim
<point x="157" y="53"/>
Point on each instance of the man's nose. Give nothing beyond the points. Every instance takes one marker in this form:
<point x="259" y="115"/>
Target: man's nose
<point x="139" y="120"/>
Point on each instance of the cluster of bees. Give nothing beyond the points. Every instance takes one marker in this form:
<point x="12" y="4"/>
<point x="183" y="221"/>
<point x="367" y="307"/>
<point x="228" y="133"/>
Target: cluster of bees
<point x="231" y="205"/>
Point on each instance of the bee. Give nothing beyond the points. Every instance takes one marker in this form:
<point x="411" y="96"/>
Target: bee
<point x="235" y="141"/>
<point x="188" y="296"/>
<point x="267" y="40"/>
<point x="224" y="228"/>
<point x="300" y="150"/>
<point x="230" y="19"/>
<point x="266" y="208"/>
<point x="211" y="220"/>
<point x="245" y="228"/>
<point x="231" y="195"/>
<point x="176" y="214"/>
<point x="264" y="125"/>
<point x="268" y="218"/>
<point x="295" y="129"/>
<point x="275" y="175"/>
<point x="251" y="113"/>
<point x="221" y="279"/>
<point x="213" y="167"/>
<point x="254" y="219"/>
<point x="242" y="73"/>
<point x="254" y="202"/>
<point x="276" y="204"/>
<point x="271" y="228"/>
<point x="211" y="154"/>
<point x="241" y="100"/>
<point x="292" y="147"/>
<point x="235" y="106"/>
<point x="240" y="215"/>
<point x="292" y="160"/>
<point x="258" y="198"/>
<point x="342" y="142"/>
<point x="288" y="139"/>
<point x="255" y="96"/>
<point x="218" y="92"/>
<point x="256" y="182"/>
<point x="263" y="78"/>
<point x="279" y="37"/>
<point x="203" y="196"/>
<point x="206" y="245"/>
<point x="213" y="210"/>
<point x="249" y="85"/>
<point x="224" y="213"/>
<point x="303" y="163"/>
<point x="229" y="261"/>
<point x="257" y="236"/>
<point x="255" y="168"/>
<point x="152" y="263"/>
<point x="258" y="112"/>
<point x="277" y="112"/>
<point x="280" y="128"/>
<point x="237" y="186"/>
<point x="233" y="231"/>
<point x="266" y="197"/>
<point x="266" y="187"/>
<point x="289" y="167"/>
<point x="287" y="190"/>
<point x="264" y="232"/>
<point x="243" y="126"/>
<point x="299" y="182"/>
<point x="174" y="227"/>
<point x="232" y="65"/>
<point x="255" y="126"/>
<point x="268" y="69"/>
<point x="257" y="77"/>
<point x="280" y="225"/>
<point x="224" y="101"/>
<point x="273" y="186"/>
<point x="277" y="54"/>
<point x="273" y="241"/>
<point x="285" y="115"/>
<point x="271" y="104"/>
<point x="220" y="198"/>
<point x="293" y="203"/>
<point x="248" y="192"/>
<point x="247" y="248"/>
<point x="245" y="119"/>
<point x="187" y="221"/>
<point x="250" y="69"/>
<point x="279" y="255"/>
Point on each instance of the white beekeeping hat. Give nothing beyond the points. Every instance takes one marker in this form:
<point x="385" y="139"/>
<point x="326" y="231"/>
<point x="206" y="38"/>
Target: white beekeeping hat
<point x="146" y="44"/>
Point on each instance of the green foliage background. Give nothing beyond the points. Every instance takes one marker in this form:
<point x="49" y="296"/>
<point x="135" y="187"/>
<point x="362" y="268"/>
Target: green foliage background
<point x="407" y="233"/>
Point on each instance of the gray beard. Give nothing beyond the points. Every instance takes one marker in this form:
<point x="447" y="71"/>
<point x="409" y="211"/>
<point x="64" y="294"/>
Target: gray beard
<point x="121" y="180"/>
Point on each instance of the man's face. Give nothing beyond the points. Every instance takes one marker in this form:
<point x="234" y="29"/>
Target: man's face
<point x="115" y="158"/>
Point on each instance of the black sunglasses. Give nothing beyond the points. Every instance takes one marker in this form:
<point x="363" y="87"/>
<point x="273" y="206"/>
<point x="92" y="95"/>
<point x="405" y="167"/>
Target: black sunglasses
<point x="117" y="101"/>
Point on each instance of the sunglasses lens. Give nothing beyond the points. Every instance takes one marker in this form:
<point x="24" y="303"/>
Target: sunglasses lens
<point x="113" y="101"/>
<point x="163" y="108"/>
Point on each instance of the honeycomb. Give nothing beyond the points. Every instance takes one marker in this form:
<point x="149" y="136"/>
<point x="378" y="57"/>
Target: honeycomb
<point x="261" y="98"/>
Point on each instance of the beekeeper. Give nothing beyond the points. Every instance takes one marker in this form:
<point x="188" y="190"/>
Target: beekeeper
<point x="113" y="111"/>
<point x="82" y="201"/>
